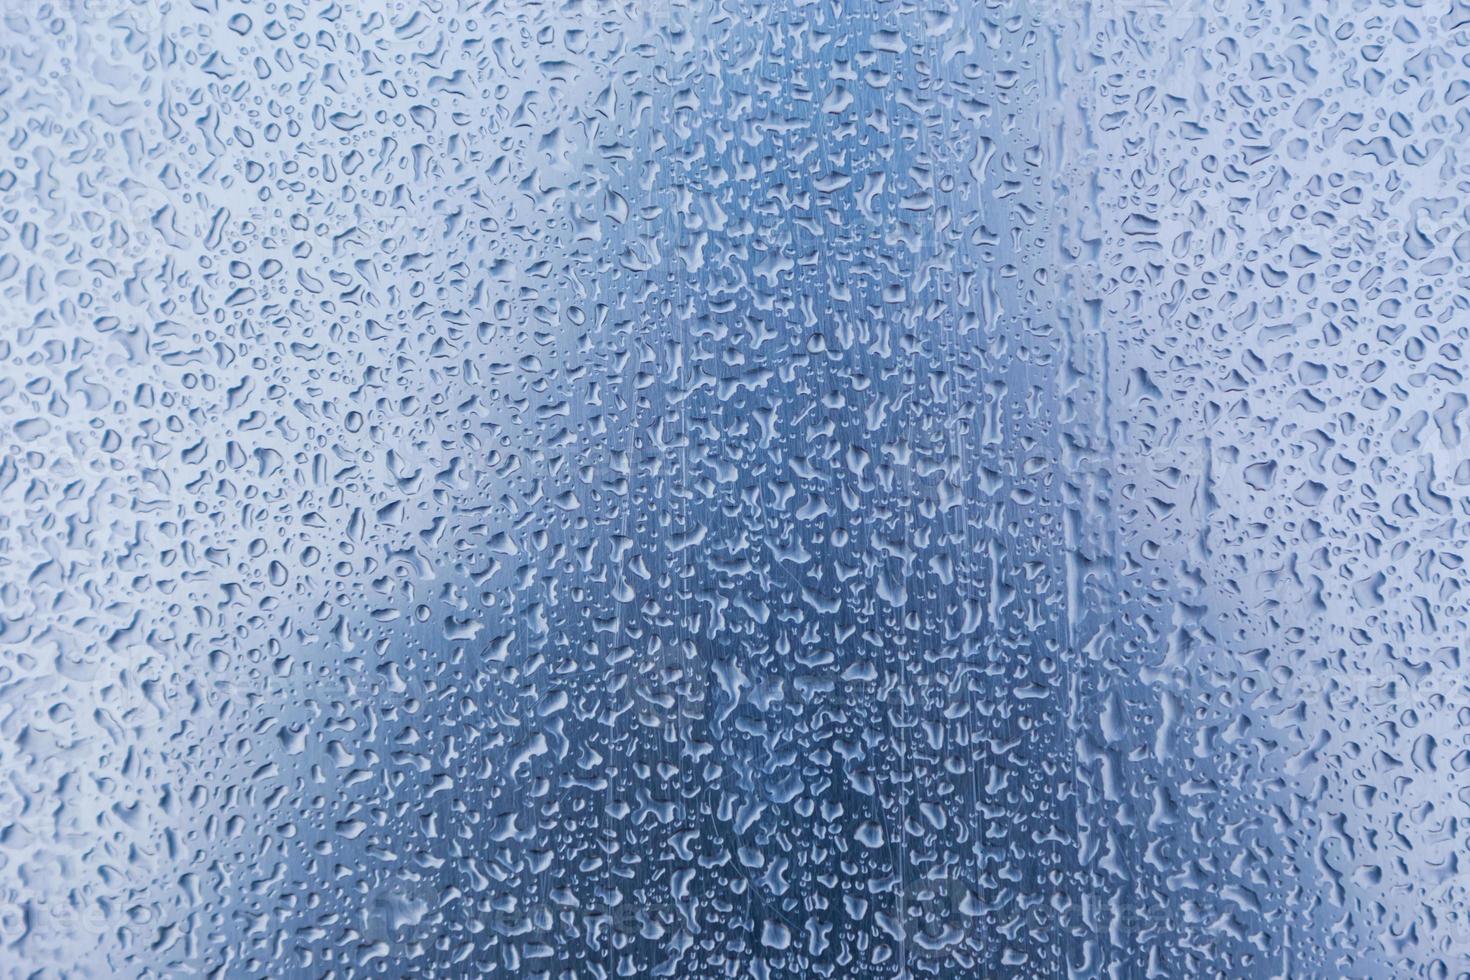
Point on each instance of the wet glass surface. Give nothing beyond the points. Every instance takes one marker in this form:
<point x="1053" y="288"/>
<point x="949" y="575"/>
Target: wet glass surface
<point x="733" y="489"/>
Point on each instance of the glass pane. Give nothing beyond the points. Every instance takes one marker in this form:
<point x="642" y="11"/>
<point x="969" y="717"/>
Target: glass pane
<point x="733" y="489"/>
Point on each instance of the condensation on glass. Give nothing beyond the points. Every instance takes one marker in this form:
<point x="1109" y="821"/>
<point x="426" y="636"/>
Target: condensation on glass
<point x="733" y="489"/>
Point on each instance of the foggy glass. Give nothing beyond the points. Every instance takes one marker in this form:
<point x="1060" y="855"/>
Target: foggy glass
<point x="786" y="489"/>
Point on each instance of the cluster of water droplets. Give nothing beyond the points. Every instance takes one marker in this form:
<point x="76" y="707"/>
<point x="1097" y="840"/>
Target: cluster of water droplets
<point x="733" y="489"/>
